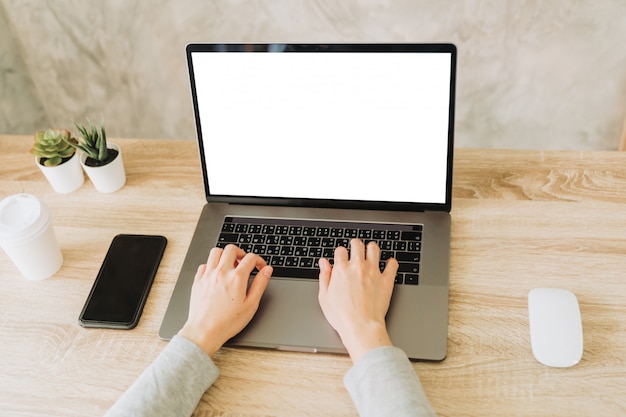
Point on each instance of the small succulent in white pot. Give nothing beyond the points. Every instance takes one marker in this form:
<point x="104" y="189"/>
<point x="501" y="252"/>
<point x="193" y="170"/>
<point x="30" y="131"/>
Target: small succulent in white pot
<point x="101" y="161"/>
<point x="57" y="159"/>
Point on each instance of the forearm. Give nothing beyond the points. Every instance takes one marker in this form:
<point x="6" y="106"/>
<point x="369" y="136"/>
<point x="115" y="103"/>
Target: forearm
<point x="172" y="385"/>
<point x="383" y="383"/>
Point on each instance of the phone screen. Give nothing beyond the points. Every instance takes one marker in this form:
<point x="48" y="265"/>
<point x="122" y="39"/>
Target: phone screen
<point x="120" y="290"/>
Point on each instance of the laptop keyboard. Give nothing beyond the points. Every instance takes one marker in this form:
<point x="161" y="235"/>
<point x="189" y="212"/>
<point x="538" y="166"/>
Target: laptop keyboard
<point x="293" y="247"/>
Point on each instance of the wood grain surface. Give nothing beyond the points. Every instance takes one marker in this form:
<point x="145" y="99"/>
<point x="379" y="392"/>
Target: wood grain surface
<point x="521" y="219"/>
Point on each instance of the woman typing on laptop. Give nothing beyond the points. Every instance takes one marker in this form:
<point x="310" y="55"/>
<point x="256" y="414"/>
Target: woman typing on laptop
<point x="354" y="296"/>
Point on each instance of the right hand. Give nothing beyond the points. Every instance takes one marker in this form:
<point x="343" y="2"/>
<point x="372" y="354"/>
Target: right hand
<point x="354" y="296"/>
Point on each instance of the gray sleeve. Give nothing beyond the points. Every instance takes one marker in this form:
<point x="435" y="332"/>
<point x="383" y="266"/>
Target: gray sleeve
<point x="383" y="383"/>
<point x="172" y="385"/>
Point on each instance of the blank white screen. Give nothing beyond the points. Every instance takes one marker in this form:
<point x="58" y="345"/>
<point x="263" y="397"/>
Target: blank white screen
<point x="354" y="126"/>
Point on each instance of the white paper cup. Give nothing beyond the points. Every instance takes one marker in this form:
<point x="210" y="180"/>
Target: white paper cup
<point x="27" y="236"/>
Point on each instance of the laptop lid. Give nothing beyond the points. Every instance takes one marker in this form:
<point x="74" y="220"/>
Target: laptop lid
<point x="309" y="114"/>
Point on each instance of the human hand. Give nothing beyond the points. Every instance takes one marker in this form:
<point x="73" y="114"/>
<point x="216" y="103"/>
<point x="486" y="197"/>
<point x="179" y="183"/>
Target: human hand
<point x="355" y="296"/>
<point x="221" y="304"/>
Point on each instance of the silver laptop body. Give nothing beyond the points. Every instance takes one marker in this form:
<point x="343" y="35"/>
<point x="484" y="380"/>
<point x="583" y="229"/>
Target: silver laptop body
<point x="338" y="132"/>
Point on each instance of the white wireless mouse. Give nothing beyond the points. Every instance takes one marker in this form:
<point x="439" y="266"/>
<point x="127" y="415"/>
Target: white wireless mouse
<point x="556" y="331"/>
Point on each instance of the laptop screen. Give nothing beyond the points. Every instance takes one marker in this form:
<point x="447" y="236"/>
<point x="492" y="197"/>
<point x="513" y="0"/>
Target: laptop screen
<point x="362" y="123"/>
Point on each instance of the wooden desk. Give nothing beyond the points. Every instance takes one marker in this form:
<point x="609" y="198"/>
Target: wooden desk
<point x="521" y="219"/>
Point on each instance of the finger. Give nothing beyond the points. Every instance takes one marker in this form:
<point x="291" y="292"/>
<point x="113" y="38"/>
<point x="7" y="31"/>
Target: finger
<point x="390" y="271"/>
<point x="230" y="255"/>
<point x="199" y="272"/>
<point x="372" y="254"/>
<point x="261" y="263"/>
<point x="251" y="261"/>
<point x="341" y="254"/>
<point x="357" y="249"/>
<point x="324" y="277"/>
<point x="214" y="257"/>
<point x="259" y="284"/>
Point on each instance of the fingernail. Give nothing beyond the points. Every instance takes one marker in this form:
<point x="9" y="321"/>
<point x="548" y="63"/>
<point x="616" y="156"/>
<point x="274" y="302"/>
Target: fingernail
<point x="268" y="271"/>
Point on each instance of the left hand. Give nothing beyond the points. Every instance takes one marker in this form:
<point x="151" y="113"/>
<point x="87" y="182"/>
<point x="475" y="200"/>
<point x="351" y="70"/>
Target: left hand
<point x="221" y="304"/>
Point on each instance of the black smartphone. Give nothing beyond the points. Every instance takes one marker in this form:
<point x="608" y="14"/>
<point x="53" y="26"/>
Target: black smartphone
<point x="122" y="285"/>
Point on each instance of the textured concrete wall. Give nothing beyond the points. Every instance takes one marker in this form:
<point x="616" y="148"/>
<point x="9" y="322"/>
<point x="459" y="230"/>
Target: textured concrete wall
<point x="532" y="74"/>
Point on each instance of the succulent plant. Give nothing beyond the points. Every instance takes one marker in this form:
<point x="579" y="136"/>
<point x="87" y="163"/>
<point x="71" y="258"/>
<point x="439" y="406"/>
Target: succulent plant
<point x="53" y="145"/>
<point x="93" y="143"/>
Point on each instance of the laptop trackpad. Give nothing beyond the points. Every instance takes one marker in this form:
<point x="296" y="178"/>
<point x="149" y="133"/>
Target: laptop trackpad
<point x="290" y="318"/>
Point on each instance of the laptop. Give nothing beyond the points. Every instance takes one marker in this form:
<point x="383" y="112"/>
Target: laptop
<point x="304" y="146"/>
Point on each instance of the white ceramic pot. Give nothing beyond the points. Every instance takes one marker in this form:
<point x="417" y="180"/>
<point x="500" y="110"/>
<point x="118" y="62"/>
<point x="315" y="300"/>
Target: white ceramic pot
<point x="66" y="177"/>
<point x="107" y="178"/>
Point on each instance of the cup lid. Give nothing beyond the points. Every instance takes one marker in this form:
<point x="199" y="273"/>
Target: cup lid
<point x="21" y="215"/>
